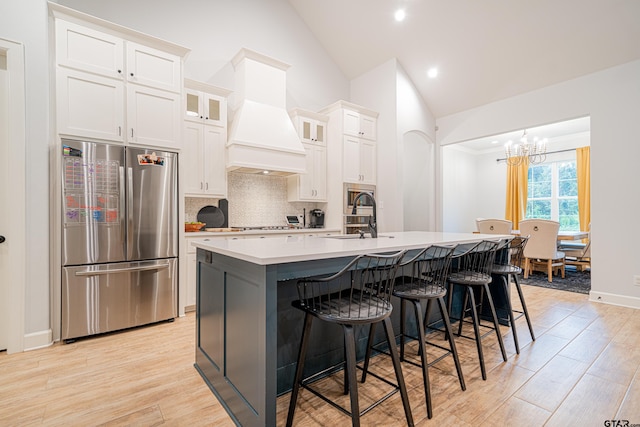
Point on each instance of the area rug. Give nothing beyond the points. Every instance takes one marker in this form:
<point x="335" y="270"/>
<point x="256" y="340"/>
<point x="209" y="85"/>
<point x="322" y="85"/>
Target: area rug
<point x="574" y="281"/>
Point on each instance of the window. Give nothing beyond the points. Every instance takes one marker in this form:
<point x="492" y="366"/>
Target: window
<point x="553" y="194"/>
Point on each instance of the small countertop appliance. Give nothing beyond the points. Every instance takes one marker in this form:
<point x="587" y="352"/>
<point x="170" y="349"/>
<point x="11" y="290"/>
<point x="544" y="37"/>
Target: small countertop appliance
<point x="316" y="218"/>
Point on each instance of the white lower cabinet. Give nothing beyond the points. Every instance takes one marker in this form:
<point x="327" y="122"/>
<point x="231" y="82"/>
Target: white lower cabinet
<point x="190" y="303"/>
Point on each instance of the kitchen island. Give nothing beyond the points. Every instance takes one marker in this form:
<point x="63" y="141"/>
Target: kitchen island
<point x="247" y="333"/>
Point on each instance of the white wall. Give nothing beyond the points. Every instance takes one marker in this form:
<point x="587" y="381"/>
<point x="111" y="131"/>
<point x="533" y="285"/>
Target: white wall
<point x="376" y="90"/>
<point x="388" y="90"/>
<point x="612" y="100"/>
<point x="417" y="127"/>
<point x="459" y="169"/>
<point x="26" y="22"/>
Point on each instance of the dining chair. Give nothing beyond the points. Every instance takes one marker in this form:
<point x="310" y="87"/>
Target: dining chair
<point x="494" y="226"/>
<point x="577" y="253"/>
<point x="541" y="252"/>
<point x="358" y="295"/>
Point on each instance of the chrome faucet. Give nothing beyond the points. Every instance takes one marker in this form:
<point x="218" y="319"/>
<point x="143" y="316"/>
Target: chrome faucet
<point x="373" y="225"/>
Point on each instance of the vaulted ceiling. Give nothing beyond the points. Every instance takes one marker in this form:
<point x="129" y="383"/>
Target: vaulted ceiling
<point x="484" y="50"/>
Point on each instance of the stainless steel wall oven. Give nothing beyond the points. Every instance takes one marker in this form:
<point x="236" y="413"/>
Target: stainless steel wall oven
<point x="353" y="223"/>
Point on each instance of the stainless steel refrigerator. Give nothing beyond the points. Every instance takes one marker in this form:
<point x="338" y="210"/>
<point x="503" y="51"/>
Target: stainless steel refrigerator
<point x="119" y="237"/>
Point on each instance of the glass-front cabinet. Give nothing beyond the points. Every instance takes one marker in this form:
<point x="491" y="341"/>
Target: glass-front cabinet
<point x="205" y="108"/>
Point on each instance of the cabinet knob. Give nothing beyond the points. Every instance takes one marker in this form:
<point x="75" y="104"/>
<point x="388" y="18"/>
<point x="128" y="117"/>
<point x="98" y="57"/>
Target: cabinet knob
<point x="2" y="239"/>
<point x="131" y="74"/>
<point x="206" y="118"/>
<point x="119" y="71"/>
<point x="201" y="117"/>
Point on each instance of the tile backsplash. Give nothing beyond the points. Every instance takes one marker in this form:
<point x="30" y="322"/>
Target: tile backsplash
<point x="254" y="200"/>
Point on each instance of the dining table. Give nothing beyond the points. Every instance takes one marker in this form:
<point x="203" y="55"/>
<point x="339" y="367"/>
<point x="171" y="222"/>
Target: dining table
<point x="573" y="235"/>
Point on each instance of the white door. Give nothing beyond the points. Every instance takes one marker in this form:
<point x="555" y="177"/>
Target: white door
<point x="4" y="202"/>
<point x="12" y="196"/>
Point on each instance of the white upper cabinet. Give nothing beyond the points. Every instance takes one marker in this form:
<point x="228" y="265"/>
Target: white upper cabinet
<point x="153" y="117"/>
<point x="89" y="50"/>
<point x="206" y="108"/>
<point x="153" y="67"/>
<point x="354" y="128"/>
<point x="360" y="125"/>
<point x="359" y="161"/>
<point x="204" y="161"/>
<point x="205" y="139"/>
<point x="312" y="185"/>
<point x="116" y="85"/>
<point x="90" y="106"/>
<point x="312" y="131"/>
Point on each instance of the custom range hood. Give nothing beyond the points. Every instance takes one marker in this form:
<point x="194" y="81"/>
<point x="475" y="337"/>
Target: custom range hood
<point x="262" y="136"/>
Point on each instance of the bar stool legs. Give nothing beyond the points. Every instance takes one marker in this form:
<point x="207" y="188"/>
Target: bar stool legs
<point x="470" y="300"/>
<point x="422" y="343"/>
<point x="508" y="265"/>
<point x="525" y="312"/>
<point x="351" y="382"/>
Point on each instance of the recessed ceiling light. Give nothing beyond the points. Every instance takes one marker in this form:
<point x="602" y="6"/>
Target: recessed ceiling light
<point x="400" y="15"/>
<point x="432" y="73"/>
<point x="265" y="172"/>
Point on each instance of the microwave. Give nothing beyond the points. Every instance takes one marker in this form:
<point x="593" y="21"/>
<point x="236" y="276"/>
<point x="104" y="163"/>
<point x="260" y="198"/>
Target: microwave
<point x="365" y="204"/>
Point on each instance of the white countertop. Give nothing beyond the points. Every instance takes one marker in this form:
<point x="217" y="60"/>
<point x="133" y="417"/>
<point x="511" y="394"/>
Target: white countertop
<point x="285" y="249"/>
<point x="261" y="232"/>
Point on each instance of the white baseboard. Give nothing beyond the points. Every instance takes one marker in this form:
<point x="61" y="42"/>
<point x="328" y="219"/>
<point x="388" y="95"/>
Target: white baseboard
<point x="614" y="299"/>
<point x="36" y="340"/>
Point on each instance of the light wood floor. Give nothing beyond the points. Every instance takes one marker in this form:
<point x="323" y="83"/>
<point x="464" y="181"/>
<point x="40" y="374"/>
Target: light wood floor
<point x="583" y="369"/>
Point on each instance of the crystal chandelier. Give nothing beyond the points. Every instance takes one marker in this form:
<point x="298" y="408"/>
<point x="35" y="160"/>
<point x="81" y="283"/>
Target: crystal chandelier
<point x="535" y="151"/>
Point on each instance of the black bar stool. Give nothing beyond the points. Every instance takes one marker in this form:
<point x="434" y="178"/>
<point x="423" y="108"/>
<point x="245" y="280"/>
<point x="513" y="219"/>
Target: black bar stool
<point x="472" y="269"/>
<point x="424" y="278"/>
<point x="508" y="265"/>
<point x="359" y="294"/>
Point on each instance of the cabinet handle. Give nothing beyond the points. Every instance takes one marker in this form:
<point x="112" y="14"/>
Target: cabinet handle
<point x="201" y="186"/>
<point x="206" y="186"/>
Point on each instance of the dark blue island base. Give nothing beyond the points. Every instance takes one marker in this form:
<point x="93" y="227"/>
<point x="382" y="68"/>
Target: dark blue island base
<point x="248" y="334"/>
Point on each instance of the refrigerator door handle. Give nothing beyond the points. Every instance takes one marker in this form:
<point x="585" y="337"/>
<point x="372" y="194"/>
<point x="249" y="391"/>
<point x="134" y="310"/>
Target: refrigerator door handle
<point x="129" y="249"/>
<point x="122" y="212"/>
<point x="123" y="270"/>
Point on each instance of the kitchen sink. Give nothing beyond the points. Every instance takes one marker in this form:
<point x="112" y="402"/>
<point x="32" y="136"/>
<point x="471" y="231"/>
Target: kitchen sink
<point x="354" y="236"/>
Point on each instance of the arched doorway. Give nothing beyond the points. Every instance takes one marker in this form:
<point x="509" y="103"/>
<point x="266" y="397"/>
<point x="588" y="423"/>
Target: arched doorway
<point x="418" y="178"/>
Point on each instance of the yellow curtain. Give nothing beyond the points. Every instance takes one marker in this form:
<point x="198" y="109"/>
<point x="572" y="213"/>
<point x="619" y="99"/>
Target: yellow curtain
<point x="583" y="172"/>
<point x="517" y="180"/>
